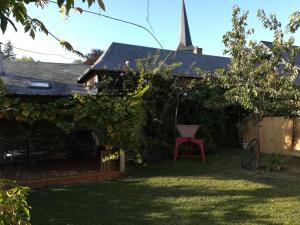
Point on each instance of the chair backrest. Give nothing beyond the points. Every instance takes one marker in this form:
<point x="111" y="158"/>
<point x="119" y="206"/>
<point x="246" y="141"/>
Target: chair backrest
<point x="187" y="130"/>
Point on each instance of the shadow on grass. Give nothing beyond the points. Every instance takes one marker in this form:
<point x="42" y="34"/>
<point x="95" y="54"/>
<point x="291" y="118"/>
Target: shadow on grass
<point x="186" y="192"/>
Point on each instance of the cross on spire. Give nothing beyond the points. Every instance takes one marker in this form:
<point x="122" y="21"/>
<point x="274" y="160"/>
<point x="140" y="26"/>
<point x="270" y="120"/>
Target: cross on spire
<point x="185" y="36"/>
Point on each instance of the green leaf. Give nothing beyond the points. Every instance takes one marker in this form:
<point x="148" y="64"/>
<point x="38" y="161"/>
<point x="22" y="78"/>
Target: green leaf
<point x="90" y="2"/>
<point x="101" y="4"/>
<point x="27" y="28"/>
<point x="69" y="5"/>
<point x="32" y="34"/>
<point x="60" y="2"/>
<point x="43" y="28"/>
<point x="3" y="23"/>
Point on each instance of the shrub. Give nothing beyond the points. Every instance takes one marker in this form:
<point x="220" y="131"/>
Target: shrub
<point x="14" y="209"/>
<point x="199" y="103"/>
<point x="273" y="162"/>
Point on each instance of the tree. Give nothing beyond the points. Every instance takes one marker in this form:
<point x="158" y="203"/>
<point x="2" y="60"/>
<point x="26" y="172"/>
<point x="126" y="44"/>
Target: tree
<point x="17" y="10"/>
<point x="26" y="59"/>
<point x="92" y="57"/>
<point x="77" y="61"/>
<point x="8" y="51"/>
<point x="258" y="79"/>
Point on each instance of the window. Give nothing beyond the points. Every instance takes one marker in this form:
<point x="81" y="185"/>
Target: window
<point x="39" y="84"/>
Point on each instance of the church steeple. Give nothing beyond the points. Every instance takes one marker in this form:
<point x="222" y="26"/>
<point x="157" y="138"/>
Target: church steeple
<point x="185" y="36"/>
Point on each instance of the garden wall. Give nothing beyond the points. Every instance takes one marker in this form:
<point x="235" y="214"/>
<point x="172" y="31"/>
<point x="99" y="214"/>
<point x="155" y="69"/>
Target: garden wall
<point x="277" y="135"/>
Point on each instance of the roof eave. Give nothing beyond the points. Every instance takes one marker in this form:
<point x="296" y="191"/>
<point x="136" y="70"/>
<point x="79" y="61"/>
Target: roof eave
<point x="86" y="73"/>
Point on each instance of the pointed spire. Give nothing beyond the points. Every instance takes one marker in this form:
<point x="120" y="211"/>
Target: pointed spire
<point x="185" y="36"/>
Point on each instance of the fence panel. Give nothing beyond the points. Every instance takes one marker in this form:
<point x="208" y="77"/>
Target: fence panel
<point x="276" y="135"/>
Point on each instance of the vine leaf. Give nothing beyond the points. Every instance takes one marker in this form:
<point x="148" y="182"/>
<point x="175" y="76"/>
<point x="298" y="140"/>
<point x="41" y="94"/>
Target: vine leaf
<point x="70" y="48"/>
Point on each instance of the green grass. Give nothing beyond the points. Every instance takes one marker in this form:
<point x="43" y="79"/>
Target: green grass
<point x="185" y="192"/>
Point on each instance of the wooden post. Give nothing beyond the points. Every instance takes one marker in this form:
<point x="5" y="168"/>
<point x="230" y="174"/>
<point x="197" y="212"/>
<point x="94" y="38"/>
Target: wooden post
<point x="101" y="161"/>
<point x="259" y="121"/>
<point x="122" y="161"/>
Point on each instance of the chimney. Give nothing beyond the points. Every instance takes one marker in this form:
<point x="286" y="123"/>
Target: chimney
<point x="197" y="51"/>
<point x="1" y="60"/>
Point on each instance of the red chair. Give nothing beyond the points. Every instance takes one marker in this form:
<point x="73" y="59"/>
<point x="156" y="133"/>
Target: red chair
<point x="187" y="133"/>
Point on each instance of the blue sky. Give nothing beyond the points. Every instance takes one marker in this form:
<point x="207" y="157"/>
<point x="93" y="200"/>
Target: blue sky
<point x="208" y="20"/>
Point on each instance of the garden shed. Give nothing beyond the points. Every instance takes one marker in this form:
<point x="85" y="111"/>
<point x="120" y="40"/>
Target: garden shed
<point x="41" y="154"/>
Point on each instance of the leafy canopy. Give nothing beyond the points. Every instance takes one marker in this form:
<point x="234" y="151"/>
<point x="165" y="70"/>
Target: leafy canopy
<point x="17" y="9"/>
<point x="260" y="79"/>
<point x="92" y="57"/>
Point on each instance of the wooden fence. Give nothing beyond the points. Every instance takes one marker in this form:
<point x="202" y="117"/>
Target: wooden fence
<point x="277" y="135"/>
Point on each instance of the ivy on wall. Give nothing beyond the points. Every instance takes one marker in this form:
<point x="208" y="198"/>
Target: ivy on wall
<point x="118" y="119"/>
<point x="200" y="102"/>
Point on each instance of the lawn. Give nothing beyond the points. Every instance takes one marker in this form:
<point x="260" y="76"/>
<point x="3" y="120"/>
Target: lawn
<point x="185" y="192"/>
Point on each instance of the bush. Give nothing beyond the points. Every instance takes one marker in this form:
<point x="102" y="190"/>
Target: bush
<point x="155" y="149"/>
<point x="199" y="103"/>
<point x="14" y="209"/>
<point x="273" y="162"/>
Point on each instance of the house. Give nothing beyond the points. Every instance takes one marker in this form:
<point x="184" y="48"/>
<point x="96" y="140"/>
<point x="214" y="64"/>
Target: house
<point x="42" y="82"/>
<point x="47" y="81"/>
<point x="118" y="55"/>
<point x="45" y="154"/>
<point x="41" y="78"/>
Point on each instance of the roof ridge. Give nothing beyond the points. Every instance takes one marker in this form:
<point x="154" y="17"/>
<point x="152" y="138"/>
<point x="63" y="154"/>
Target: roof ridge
<point x="177" y="51"/>
<point x="140" y="46"/>
<point x="52" y="63"/>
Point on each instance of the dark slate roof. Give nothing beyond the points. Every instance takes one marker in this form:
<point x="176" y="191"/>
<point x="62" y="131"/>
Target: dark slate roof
<point x="115" y="57"/>
<point x="185" y="35"/>
<point x="268" y="44"/>
<point x="62" y="78"/>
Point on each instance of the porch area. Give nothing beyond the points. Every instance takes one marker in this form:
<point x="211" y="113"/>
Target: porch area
<point x="60" y="172"/>
<point x="42" y="155"/>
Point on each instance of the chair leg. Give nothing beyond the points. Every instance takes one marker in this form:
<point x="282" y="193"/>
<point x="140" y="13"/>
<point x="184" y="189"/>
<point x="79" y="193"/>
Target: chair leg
<point x="202" y="152"/>
<point x="176" y="151"/>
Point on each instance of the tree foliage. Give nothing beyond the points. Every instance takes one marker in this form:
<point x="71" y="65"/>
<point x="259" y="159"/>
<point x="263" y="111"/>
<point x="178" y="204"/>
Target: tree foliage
<point x="14" y="208"/>
<point x="118" y="119"/>
<point x="17" y="10"/>
<point x="259" y="79"/>
<point x="92" y="57"/>
<point x="77" y="61"/>
<point x="25" y="59"/>
<point x="8" y="51"/>
<point x="199" y="103"/>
